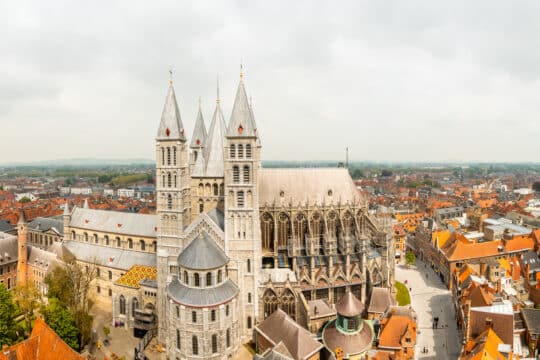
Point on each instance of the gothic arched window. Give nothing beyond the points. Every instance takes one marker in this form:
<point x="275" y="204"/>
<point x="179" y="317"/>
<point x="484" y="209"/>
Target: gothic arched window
<point x="134" y="306"/>
<point x="240" y="199"/>
<point x="232" y="151"/>
<point x="142" y="245"/>
<point x="196" y="280"/>
<point x="169" y="201"/>
<point x="186" y="278"/>
<point x="208" y="279"/>
<point x="219" y="276"/>
<point x="122" y="305"/>
<point x="246" y="174"/>
<point x="194" y="345"/>
<point x="240" y="151"/>
<point x="169" y="180"/>
<point x="130" y="243"/>
<point x="214" y="344"/>
<point x="236" y="174"/>
<point x="248" y="151"/>
<point x="168" y="156"/>
<point x="267" y="231"/>
<point x="174" y="155"/>
<point x="284" y="230"/>
<point x="215" y="189"/>
<point x="270" y="302"/>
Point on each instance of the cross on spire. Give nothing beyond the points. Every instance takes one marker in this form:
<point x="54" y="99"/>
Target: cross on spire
<point x="170" y="75"/>
<point x="241" y="69"/>
<point x="217" y="82"/>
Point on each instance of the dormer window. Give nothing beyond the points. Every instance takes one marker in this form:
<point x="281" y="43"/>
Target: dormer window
<point x="240" y="129"/>
<point x="167" y="132"/>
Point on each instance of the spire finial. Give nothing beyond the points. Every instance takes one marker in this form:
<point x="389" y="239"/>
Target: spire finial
<point x="200" y="102"/>
<point x="217" y="98"/>
<point x="241" y="69"/>
<point x="170" y="75"/>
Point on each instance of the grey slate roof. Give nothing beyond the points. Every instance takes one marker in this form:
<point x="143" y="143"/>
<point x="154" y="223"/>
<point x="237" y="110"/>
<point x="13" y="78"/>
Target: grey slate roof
<point x="108" y="256"/>
<point x="241" y="115"/>
<point x="108" y="221"/>
<point x="40" y="257"/>
<point x="45" y="224"/>
<point x="170" y="119"/>
<point x="532" y="320"/>
<point x="306" y="184"/>
<point x="380" y="300"/>
<point x="531" y="258"/>
<point x="8" y="248"/>
<point x="215" y="145"/>
<point x="202" y="254"/>
<point x="5" y="226"/>
<point x="218" y="217"/>
<point x="199" y="132"/>
<point x="202" y="296"/>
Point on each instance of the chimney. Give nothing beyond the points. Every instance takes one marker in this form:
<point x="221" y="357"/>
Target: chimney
<point x="489" y="323"/>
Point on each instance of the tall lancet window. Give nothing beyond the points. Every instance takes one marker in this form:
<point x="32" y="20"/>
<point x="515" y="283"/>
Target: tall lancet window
<point x="236" y="174"/>
<point x="240" y="151"/>
<point x="248" y="151"/>
<point x="232" y="151"/>
<point x="162" y="156"/>
<point x="246" y="174"/>
<point x="168" y="156"/>
<point x="174" y="155"/>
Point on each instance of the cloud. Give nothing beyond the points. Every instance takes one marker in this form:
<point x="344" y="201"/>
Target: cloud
<point x="394" y="80"/>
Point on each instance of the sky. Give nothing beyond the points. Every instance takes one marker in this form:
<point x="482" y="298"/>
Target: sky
<point x="392" y="80"/>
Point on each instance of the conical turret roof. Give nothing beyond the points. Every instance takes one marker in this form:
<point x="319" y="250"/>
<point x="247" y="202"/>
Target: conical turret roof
<point x="215" y="145"/>
<point x="199" y="132"/>
<point x="171" y="127"/>
<point x="242" y="123"/>
<point x="349" y="305"/>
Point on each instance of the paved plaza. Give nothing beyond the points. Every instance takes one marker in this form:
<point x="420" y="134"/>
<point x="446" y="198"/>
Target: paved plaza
<point x="430" y="298"/>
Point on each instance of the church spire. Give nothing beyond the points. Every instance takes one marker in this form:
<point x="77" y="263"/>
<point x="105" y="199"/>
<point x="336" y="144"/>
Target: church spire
<point x="198" y="139"/>
<point x="215" y="144"/>
<point x="171" y="127"/>
<point x="242" y="123"/>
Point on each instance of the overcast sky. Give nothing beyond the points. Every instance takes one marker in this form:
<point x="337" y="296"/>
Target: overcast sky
<point x="393" y="80"/>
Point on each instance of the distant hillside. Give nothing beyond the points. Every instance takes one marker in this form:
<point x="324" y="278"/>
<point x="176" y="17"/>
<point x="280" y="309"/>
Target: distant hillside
<point x="80" y="163"/>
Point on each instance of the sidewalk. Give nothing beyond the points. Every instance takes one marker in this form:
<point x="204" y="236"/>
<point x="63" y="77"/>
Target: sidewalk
<point x="430" y="298"/>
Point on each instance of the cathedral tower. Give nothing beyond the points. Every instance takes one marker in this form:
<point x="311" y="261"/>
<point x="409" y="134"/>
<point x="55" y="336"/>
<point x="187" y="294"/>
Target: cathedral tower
<point x="242" y="230"/>
<point x="172" y="195"/>
<point x="22" y="265"/>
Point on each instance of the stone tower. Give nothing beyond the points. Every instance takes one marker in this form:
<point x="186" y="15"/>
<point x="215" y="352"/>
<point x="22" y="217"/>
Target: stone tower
<point x="172" y="195"/>
<point x="242" y="230"/>
<point x="22" y="265"/>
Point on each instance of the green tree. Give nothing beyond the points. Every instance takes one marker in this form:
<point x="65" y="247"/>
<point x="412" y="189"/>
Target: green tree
<point x="28" y="299"/>
<point x="410" y="258"/>
<point x="70" y="284"/>
<point x="8" y="311"/>
<point x="25" y="199"/>
<point x="60" y="319"/>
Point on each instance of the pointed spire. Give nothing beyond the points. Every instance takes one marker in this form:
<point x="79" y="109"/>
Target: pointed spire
<point x="22" y="218"/>
<point x="171" y="127"/>
<point x="66" y="208"/>
<point x="218" y="100"/>
<point x="85" y="206"/>
<point x="242" y="123"/>
<point x="198" y="139"/>
<point x="199" y="169"/>
<point x="215" y="145"/>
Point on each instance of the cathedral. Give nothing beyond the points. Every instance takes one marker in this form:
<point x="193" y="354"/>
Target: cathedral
<point x="236" y="241"/>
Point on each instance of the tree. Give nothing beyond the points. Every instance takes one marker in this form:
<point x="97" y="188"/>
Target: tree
<point x="28" y="299"/>
<point x="8" y="311"/>
<point x="25" y="199"/>
<point x="536" y="186"/>
<point x="70" y="284"/>
<point x="60" y="319"/>
<point x="410" y="258"/>
<point x="106" y="331"/>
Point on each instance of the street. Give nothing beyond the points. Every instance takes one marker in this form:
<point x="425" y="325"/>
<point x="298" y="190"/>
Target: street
<point x="430" y="298"/>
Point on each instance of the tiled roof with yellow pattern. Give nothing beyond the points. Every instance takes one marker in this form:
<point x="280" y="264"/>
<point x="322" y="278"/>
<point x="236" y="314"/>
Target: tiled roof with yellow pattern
<point x="137" y="273"/>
